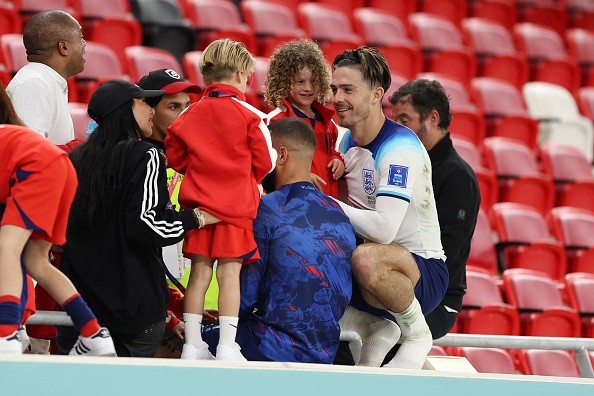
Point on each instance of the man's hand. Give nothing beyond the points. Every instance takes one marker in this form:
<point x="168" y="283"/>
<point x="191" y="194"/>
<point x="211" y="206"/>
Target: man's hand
<point x="317" y="181"/>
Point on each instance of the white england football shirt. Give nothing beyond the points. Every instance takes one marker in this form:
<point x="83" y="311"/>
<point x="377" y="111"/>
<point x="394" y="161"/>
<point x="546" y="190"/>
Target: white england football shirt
<point x="390" y="191"/>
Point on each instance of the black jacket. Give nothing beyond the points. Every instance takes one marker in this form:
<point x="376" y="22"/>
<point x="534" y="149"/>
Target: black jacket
<point x="457" y="197"/>
<point x="117" y="266"/>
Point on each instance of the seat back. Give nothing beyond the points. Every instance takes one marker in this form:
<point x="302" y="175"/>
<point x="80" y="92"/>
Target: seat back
<point x="487" y="37"/>
<point x="379" y="28"/>
<point x="580" y="289"/>
<point x="269" y="18"/>
<point x="545" y="100"/>
<point x="515" y="222"/>
<point x="497" y="97"/>
<point x="565" y="163"/>
<point x="539" y="42"/>
<point x="455" y="90"/>
<point x="482" y="245"/>
<point x="452" y="10"/>
<point x="489" y="360"/>
<point x="580" y="43"/>
<point x="433" y="32"/>
<point x="101" y="61"/>
<point x="142" y="60"/>
<point x="10" y="20"/>
<point x="481" y="289"/>
<point x="13" y="51"/>
<point x="104" y="8"/>
<point x="324" y="22"/>
<point x="548" y="363"/>
<point x="509" y="158"/>
<point x="586" y="101"/>
<point x="530" y="290"/>
<point x="573" y="226"/>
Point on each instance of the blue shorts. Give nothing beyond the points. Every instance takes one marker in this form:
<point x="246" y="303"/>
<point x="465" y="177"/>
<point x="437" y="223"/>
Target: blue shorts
<point x="429" y="290"/>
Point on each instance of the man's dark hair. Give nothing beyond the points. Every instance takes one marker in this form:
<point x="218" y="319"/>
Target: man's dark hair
<point x="295" y="133"/>
<point x="370" y="61"/>
<point x="425" y="95"/>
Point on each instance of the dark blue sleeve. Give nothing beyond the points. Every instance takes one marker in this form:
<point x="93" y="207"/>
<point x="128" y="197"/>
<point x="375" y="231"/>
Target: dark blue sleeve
<point x="252" y="274"/>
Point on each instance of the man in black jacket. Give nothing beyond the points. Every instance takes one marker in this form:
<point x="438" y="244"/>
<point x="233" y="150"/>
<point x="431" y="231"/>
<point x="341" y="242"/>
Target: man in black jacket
<point x="423" y="106"/>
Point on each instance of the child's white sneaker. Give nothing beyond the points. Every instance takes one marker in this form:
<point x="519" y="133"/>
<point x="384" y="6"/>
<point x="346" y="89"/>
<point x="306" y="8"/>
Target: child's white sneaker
<point x="190" y="352"/>
<point x="230" y="352"/>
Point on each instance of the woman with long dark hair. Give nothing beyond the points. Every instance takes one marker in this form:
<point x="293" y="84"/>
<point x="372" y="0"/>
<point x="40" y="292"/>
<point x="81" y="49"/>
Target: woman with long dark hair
<point x="120" y="220"/>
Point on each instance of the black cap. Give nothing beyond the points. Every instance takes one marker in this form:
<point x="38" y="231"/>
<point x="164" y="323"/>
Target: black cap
<point x="169" y="81"/>
<point x="113" y="94"/>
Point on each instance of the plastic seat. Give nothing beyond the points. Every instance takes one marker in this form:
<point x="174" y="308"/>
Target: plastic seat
<point x="443" y="47"/>
<point x="558" y="115"/>
<point x="572" y="174"/>
<point x="164" y="26"/>
<point x="540" y="302"/>
<point x="273" y="24"/>
<point x="580" y="289"/>
<point x="142" y="60"/>
<point x="388" y="33"/>
<point x="10" y="20"/>
<point x="330" y="27"/>
<point x="111" y="23"/>
<point x="483" y="309"/>
<point x="399" y="8"/>
<point x="505" y="111"/>
<point x="501" y="12"/>
<point x="255" y="92"/>
<point x="574" y="227"/>
<point x="553" y="16"/>
<point x="30" y="7"/>
<point x="581" y="14"/>
<point x="520" y="180"/>
<point x="525" y="241"/>
<point x="548" y="363"/>
<point x="397" y="82"/>
<point x="80" y="119"/>
<point x="13" y="52"/>
<point x="346" y="6"/>
<point x="468" y="121"/>
<point x="496" y="51"/>
<point x="293" y="5"/>
<point x="489" y="360"/>
<point x="216" y="19"/>
<point x="101" y="64"/>
<point x="586" y="101"/>
<point x="483" y="254"/>
<point x="580" y="44"/>
<point x="487" y="180"/>
<point x="453" y="10"/>
<point x="547" y="55"/>
<point x="190" y="62"/>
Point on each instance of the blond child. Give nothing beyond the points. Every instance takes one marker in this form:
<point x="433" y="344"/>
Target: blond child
<point x="223" y="148"/>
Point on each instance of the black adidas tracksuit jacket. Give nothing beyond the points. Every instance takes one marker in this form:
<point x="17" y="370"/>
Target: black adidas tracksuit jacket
<point x="117" y="267"/>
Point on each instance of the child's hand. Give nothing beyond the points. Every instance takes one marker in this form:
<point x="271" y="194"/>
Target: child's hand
<point x="317" y="181"/>
<point x="337" y="168"/>
<point x="178" y="330"/>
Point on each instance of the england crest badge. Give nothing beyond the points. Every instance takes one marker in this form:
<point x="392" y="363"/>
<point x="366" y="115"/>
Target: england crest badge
<point x="368" y="181"/>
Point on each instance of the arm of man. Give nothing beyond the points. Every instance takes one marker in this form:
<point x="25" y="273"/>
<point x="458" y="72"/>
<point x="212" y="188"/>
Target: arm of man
<point x="252" y="275"/>
<point x="398" y="171"/>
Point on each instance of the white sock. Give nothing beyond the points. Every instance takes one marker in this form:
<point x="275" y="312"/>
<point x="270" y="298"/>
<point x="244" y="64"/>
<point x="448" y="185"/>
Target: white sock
<point x="228" y="325"/>
<point x="416" y="338"/>
<point x="193" y="329"/>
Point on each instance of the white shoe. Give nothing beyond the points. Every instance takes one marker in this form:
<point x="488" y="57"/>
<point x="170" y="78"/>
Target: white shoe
<point x="11" y="344"/>
<point x="24" y="337"/>
<point x="99" y="344"/>
<point x="190" y="352"/>
<point x="230" y="352"/>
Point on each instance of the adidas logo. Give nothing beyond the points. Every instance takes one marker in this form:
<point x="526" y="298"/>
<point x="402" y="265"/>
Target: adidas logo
<point x="103" y="333"/>
<point x="81" y="349"/>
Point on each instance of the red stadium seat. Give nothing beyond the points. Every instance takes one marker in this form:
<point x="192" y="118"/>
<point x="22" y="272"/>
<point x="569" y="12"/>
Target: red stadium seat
<point x="399" y="8"/>
<point x="397" y="82"/>
<point x="142" y="60"/>
<point x="525" y="241"/>
<point x="520" y="180"/>
<point x="13" y="52"/>
<point x="346" y="6"/>
<point x="581" y="14"/>
<point x="483" y="309"/>
<point x="255" y="92"/>
<point x="331" y="27"/>
<point x="489" y="360"/>
<point x="101" y="64"/>
<point x="540" y="302"/>
<point x="546" y="52"/>
<point x="388" y="34"/>
<point x="580" y="289"/>
<point x="30" y="7"/>
<point x="190" y="61"/>
<point x="10" y="20"/>
<point x="216" y="19"/>
<point x="80" y="119"/>
<point x="496" y="51"/>
<point x="586" y="101"/>
<point x="505" y="111"/>
<point x="574" y="227"/>
<point x="502" y="12"/>
<point x="453" y="10"/>
<point x="548" y="363"/>
<point x="580" y="44"/>
<point x="551" y="16"/>
<point x="483" y="253"/>
<point x="273" y="24"/>
<point x="572" y="173"/>
<point x="442" y="44"/>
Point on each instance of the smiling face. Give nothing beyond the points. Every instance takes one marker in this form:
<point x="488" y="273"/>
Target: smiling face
<point x="167" y="111"/>
<point x="304" y="90"/>
<point x="143" y="113"/>
<point x="352" y="98"/>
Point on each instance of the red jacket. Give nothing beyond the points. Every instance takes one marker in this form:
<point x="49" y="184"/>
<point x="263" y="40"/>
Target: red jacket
<point x="326" y="134"/>
<point x="222" y="146"/>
